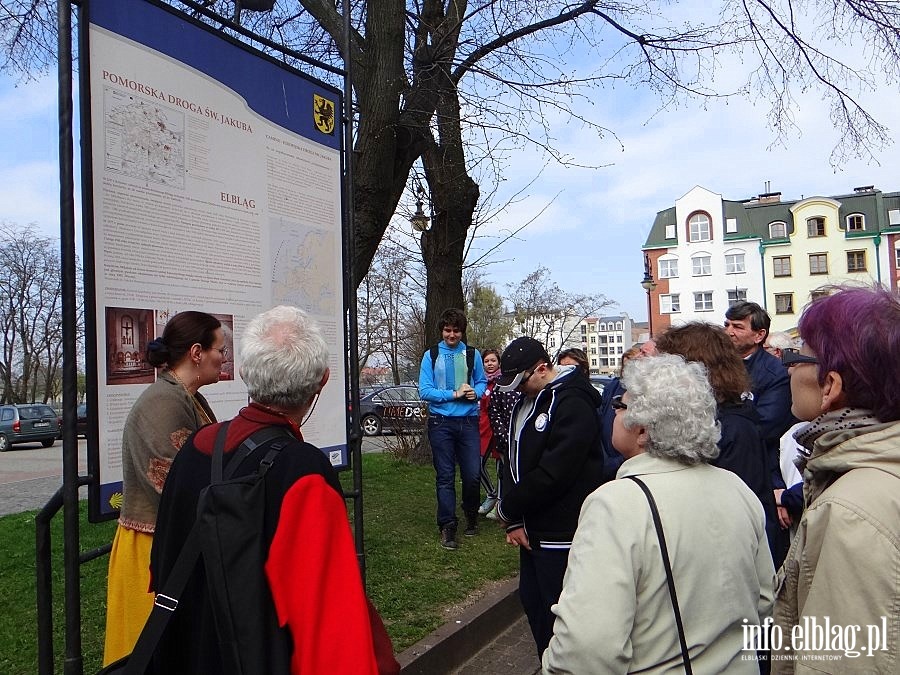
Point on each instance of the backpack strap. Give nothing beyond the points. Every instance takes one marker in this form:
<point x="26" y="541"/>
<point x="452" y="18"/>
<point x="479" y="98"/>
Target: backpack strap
<point x="256" y="439"/>
<point x="470" y="363"/>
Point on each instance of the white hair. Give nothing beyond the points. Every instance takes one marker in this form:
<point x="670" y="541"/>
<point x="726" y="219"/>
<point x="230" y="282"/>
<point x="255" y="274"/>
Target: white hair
<point x="283" y="357"/>
<point x="780" y="340"/>
<point x="674" y="401"/>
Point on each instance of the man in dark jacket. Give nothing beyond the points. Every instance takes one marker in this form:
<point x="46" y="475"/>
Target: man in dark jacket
<point x="747" y="324"/>
<point x="553" y="462"/>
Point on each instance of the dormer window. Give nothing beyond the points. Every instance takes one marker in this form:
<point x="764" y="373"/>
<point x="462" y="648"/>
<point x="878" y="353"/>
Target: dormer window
<point x="699" y="227"/>
<point x="777" y="230"/>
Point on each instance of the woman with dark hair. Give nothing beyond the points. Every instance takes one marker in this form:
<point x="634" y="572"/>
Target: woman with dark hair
<point x="574" y="357"/>
<point x="844" y="563"/>
<point x="191" y="349"/>
<point x="741" y="448"/>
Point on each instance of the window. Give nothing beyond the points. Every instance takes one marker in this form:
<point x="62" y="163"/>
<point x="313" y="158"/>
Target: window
<point x="668" y="269"/>
<point x="856" y="222"/>
<point x="583" y="329"/>
<point x="781" y="266"/>
<point x="701" y="265"/>
<point x="815" y="227"/>
<point x="553" y="342"/>
<point x="618" y="338"/>
<point x="730" y="225"/>
<point x="604" y="350"/>
<point x="737" y="295"/>
<point x="818" y="263"/>
<point x="618" y="350"/>
<point x="703" y="301"/>
<point x="856" y="261"/>
<point x="602" y="339"/>
<point x="670" y="231"/>
<point x="734" y="263"/>
<point x="778" y="230"/>
<point x="593" y="350"/>
<point x="618" y="325"/>
<point x="593" y="362"/>
<point x="897" y="257"/>
<point x="815" y="295"/>
<point x="593" y="339"/>
<point x="894" y="217"/>
<point x="698" y="227"/>
<point x="593" y="328"/>
<point x="7" y="414"/>
<point x="669" y="304"/>
<point x="784" y="303"/>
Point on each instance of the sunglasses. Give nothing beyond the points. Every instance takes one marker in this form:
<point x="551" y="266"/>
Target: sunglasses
<point x="618" y="403"/>
<point x="793" y="357"/>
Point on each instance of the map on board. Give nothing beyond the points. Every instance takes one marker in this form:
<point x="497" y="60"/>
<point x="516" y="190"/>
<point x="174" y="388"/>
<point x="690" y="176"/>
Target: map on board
<point x="303" y="268"/>
<point x="143" y="139"/>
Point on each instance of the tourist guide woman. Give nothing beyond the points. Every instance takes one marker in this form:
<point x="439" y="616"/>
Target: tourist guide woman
<point x="191" y="349"/>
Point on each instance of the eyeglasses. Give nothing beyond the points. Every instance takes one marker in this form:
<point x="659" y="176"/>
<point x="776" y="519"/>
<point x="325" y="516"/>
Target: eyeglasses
<point x="528" y="375"/>
<point x="618" y="403"/>
<point x="793" y="357"/>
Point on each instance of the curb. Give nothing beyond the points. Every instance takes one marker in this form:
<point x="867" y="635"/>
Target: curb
<point x="457" y="641"/>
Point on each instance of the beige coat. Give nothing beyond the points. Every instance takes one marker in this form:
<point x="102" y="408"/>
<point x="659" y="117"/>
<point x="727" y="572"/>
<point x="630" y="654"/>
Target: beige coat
<point x="615" y="614"/>
<point x="844" y="563"/>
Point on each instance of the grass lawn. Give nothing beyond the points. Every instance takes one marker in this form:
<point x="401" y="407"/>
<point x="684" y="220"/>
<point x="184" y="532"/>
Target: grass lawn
<point x="410" y="578"/>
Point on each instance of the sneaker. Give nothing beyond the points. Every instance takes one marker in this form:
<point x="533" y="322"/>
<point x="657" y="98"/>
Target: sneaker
<point x="492" y="514"/>
<point x="487" y="505"/>
<point x="471" y="524"/>
<point x="448" y="537"/>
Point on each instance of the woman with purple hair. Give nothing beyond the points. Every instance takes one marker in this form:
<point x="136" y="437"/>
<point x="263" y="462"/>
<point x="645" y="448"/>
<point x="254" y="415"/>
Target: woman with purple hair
<point x="843" y="568"/>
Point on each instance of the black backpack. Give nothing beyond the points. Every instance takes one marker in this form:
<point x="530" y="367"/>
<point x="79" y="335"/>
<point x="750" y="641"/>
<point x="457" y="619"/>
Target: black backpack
<point x="612" y="459"/>
<point x="470" y="360"/>
<point x="228" y="533"/>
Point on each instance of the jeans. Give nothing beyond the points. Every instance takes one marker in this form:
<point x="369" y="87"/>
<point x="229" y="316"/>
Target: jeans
<point x="455" y="440"/>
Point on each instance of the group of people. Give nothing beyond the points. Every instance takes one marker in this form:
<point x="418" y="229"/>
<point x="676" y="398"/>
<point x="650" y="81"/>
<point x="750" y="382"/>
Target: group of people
<point x="651" y="522"/>
<point x="731" y="440"/>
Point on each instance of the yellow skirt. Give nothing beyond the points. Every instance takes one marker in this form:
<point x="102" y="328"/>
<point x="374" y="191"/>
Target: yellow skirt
<point x="128" y="600"/>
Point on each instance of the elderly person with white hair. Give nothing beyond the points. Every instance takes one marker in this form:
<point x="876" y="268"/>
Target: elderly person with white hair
<point x="617" y="612"/>
<point x="317" y="618"/>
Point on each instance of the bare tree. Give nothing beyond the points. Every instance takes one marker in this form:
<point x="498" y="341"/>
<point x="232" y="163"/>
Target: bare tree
<point x="543" y="311"/>
<point x="30" y="315"/>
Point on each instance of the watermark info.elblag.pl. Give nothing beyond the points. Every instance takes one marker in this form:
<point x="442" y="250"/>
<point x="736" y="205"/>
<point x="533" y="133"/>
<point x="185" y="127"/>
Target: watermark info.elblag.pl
<point x="828" y="641"/>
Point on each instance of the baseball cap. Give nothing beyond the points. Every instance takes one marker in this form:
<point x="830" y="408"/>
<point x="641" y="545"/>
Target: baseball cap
<point x="521" y="354"/>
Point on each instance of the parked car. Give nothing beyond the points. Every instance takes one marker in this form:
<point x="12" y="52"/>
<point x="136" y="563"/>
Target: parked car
<point x="81" y="424"/>
<point x="600" y="381"/>
<point x="27" y="423"/>
<point x="392" y="409"/>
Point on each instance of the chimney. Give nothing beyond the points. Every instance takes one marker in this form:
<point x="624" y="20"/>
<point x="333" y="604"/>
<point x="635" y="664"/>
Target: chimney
<point x="769" y="198"/>
<point x="864" y="188"/>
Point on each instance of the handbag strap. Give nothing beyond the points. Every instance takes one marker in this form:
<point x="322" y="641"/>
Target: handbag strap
<point x="657" y="522"/>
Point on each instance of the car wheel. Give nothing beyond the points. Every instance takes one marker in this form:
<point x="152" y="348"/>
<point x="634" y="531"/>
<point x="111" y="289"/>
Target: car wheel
<point x="4" y="443"/>
<point x="371" y="425"/>
<point x="48" y="442"/>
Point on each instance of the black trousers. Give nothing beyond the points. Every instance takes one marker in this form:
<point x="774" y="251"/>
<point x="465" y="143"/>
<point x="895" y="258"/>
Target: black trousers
<point x="540" y="583"/>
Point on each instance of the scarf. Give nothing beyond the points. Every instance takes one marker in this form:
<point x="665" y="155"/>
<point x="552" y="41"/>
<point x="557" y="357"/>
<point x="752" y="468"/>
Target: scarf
<point x="492" y="376"/>
<point x="833" y="420"/>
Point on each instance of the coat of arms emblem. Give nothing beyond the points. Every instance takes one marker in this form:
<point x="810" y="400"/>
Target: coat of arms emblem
<point x="323" y="114"/>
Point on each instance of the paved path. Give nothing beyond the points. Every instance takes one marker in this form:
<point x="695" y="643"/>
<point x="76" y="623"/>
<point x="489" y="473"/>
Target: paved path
<point x="511" y="653"/>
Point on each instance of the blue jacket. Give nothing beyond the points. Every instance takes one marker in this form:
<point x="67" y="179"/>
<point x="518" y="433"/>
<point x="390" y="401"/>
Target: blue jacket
<point x="437" y="384"/>
<point x="771" y="387"/>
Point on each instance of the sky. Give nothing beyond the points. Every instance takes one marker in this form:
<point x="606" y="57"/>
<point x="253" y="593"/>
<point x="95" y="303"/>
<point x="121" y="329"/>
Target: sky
<point x="588" y="223"/>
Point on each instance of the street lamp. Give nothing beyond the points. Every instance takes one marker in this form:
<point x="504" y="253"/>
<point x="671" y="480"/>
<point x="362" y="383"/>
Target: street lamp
<point x="648" y="285"/>
<point x="419" y="220"/>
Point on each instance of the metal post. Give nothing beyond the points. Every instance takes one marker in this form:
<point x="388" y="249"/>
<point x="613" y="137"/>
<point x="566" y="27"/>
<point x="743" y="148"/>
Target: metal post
<point x="73" y="660"/>
<point x="350" y="294"/>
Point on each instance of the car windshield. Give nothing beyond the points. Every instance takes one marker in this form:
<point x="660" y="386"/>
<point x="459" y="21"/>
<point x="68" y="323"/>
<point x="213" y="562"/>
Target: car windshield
<point x="33" y="412"/>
